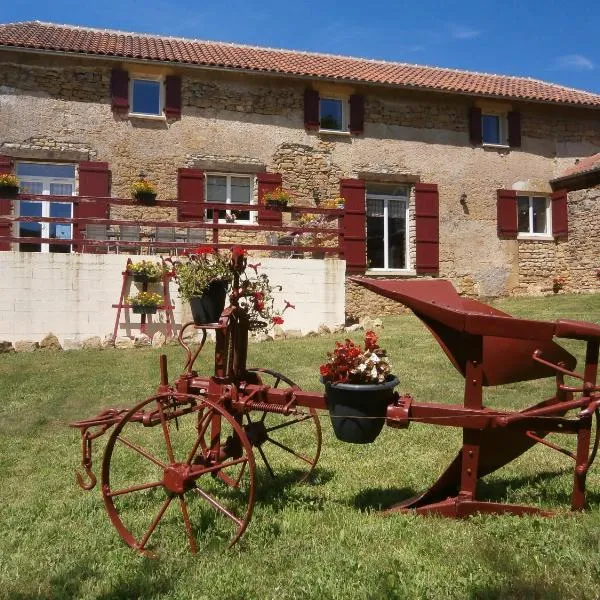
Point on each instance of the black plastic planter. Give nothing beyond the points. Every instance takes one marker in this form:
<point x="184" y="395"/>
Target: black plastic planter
<point x="357" y="412"/>
<point x="208" y="307"/>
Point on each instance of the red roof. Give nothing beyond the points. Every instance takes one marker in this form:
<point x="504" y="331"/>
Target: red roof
<point x="81" y="40"/>
<point x="583" y="165"/>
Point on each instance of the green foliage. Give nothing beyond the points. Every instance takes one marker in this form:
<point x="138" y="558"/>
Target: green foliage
<point x="195" y="272"/>
<point x="321" y="540"/>
<point x="146" y="267"/>
<point x="145" y="299"/>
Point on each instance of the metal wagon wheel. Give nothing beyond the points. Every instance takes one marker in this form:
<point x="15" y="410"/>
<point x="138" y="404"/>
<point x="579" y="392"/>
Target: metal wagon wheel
<point x="180" y="450"/>
<point x="284" y="442"/>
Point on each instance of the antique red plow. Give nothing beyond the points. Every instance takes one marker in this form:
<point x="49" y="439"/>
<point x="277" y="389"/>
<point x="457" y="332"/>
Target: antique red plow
<point x="196" y="443"/>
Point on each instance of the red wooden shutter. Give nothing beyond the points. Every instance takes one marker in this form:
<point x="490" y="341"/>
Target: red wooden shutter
<point x="311" y="109"/>
<point x="357" y="114"/>
<point x="507" y="213"/>
<point x="355" y="226"/>
<point x="514" y="128"/>
<point x="173" y="96"/>
<point x="560" y="219"/>
<point x="427" y="225"/>
<point x="475" y="129"/>
<point x="119" y="89"/>
<point x="6" y="167"/>
<point x="190" y="188"/>
<point x="94" y="181"/>
<point x="267" y="182"/>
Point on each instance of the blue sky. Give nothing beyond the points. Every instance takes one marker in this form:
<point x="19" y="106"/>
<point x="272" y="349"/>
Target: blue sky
<point x="550" y="40"/>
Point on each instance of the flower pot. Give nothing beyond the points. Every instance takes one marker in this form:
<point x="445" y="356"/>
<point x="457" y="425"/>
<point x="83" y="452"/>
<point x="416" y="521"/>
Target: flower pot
<point x="275" y="204"/>
<point x="9" y="191"/>
<point x="140" y="309"/>
<point x="208" y="307"/>
<point x="143" y="278"/>
<point x="145" y="197"/>
<point x="357" y="412"/>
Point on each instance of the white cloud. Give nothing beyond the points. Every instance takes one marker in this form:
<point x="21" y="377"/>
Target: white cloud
<point x="573" y="62"/>
<point x="460" y="32"/>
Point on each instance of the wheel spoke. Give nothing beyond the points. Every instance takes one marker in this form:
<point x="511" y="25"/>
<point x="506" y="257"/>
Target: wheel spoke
<point x="188" y="525"/>
<point x="218" y="506"/>
<point x="156" y="521"/>
<point x="206" y="421"/>
<point x="143" y="452"/>
<point x="166" y="433"/>
<point x="134" y="488"/>
<point x="264" y="457"/>
<point x="218" y="467"/>
<point x="288" y="449"/>
<point x="289" y="423"/>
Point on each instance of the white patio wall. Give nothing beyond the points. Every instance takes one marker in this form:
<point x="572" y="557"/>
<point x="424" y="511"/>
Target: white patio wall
<point x="71" y="295"/>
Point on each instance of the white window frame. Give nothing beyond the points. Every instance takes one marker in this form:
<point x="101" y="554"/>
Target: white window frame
<point x="46" y="181"/>
<point x="253" y="215"/>
<point x="161" y="96"/>
<point x="502" y="128"/>
<point x="386" y="258"/>
<point x="530" y="235"/>
<point x="345" y="115"/>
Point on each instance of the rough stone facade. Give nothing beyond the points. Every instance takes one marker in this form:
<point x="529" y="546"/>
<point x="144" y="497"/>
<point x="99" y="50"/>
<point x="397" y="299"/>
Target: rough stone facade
<point x="58" y="108"/>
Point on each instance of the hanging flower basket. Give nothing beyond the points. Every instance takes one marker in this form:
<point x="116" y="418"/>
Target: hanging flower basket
<point x="208" y="307"/>
<point x="143" y="191"/>
<point x="357" y="411"/>
<point x="9" y="186"/>
<point x="140" y="309"/>
<point x="147" y="198"/>
<point x="143" y="278"/>
<point x="275" y="204"/>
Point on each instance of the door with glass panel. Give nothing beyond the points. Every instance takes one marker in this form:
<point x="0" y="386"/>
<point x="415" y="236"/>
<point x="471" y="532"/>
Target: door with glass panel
<point x="387" y="227"/>
<point x="47" y="180"/>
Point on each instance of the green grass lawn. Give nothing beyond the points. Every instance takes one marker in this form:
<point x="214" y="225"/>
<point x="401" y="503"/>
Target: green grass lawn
<point x="324" y="539"/>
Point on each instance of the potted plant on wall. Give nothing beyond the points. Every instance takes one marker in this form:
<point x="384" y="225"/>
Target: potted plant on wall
<point x="9" y="186"/>
<point x="143" y="191"/>
<point x="146" y="271"/>
<point x="277" y="199"/>
<point x="358" y="388"/>
<point x="145" y="303"/>
<point x="203" y="276"/>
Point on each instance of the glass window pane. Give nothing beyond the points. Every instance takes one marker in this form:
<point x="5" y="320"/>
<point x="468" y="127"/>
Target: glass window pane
<point x="375" y="241"/>
<point x="539" y="215"/>
<point x="31" y="187"/>
<point x="45" y="170"/>
<point x="396" y="237"/>
<point x="490" y="129"/>
<point x="388" y="189"/>
<point x="61" y="189"/>
<point x="216" y="188"/>
<point x="331" y="114"/>
<point x="30" y="209"/>
<point x="523" y="211"/>
<point x="146" y="97"/>
<point x="61" y="231"/>
<point x="240" y="190"/>
<point x="374" y="207"/>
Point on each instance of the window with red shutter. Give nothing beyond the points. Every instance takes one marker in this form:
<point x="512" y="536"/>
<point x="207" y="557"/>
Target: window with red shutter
<point x="6" y="167"/>
<point x="173" y="97"/>
<point x="357" y="114"/>
<point x="311" y="109"/>
<point x="355" y="247"/>
<point x="190" y="193"/>
<point x="268" y="182"/>
<point x="475" y="130"/>
<point x="560" y="219"/>
<point x="427" y="228"/>
<point x="119" y="89"/>
<point x="94" y="182"/>
<point x="514" y="128"/>
<point x="506" y="205"/>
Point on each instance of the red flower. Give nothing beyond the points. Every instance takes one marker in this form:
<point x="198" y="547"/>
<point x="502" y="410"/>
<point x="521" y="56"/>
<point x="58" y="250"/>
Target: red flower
<point x="276" y="320"/>
<point x="238" y="251"/>
<point x="325" y="370"/>
<point x="371" y="340"/>
<point x="204" y="250"/>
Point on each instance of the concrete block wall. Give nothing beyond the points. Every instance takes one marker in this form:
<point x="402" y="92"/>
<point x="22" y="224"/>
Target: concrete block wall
<point x="71" y="295"/>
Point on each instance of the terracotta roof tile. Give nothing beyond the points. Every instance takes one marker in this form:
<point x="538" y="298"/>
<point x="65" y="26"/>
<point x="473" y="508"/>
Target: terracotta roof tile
<point x="70" y="39"/>
<point x="584" y="165"/>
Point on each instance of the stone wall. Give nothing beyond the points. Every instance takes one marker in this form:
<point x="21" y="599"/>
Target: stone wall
<point x="576" y="259"/>
<point x="58" y="108"/>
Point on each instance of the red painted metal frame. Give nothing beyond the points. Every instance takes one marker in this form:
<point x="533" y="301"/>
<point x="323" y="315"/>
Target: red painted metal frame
<point x="486" y="346"/>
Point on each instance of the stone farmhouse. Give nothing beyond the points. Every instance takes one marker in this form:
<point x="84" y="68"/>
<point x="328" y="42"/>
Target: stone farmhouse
<point x="482" y="179"/>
